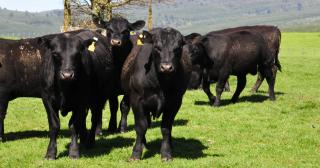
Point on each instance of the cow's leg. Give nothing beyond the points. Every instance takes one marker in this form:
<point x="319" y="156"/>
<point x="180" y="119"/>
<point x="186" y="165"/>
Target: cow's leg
<point x="141" y="125"/>
<point x="241" y="83"/>
<point x="98" y="130"/>
<point x="168" y="116"/>
<point x="227" y="87"/>
<point x="206" y="87"/>
<point x="223" y="79"/>
<point x="125" y="108"/>
<point x="3" y="111"/>
<point x="271" y="80"/>
<point x="54" y="127"/>
<point x="74" y="146"/>
<point x="96" y="111"/>
<point x="258" y="83"/>
<point x="113" y="102"/>
<point x="77" y="126"/>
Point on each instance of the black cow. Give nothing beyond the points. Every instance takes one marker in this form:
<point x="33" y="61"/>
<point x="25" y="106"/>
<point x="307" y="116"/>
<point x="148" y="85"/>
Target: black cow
<point x="27" y="71"/>
<point x="197" y="69"/>
<point x="272" y="35"/>
<point x="88" y="56"/>
<point x="156" y="84"/>
<point x="197" y="62"/>
<point x="118" y="30"/>
<point x="20" y="64"/>
<point x="237" y="53"/>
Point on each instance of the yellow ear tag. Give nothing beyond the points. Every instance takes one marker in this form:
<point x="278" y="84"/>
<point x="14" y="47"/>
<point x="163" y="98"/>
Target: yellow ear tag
<point x="132" y="33"/>
<point x="92" y="47"/>
<point x="139" y="42"/>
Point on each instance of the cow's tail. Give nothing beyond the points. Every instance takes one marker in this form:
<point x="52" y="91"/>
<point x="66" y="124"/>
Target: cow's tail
<point x="277" y="62"/>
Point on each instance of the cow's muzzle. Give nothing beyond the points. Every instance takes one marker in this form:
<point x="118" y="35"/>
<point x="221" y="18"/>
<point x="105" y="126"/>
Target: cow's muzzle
<point x="67" y="75"/>
<point x="166" y="67"/>
<point x="116" y="42"/>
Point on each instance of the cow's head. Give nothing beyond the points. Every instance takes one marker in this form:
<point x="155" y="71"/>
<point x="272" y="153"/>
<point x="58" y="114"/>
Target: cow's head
<point x="118" y="29"/>
<point x="68" y="54"/>
<point x="167" y="49"/>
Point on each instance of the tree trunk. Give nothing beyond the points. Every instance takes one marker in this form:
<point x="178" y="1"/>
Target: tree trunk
<point x="150" y="19"/>
<point x="67" y="15"/>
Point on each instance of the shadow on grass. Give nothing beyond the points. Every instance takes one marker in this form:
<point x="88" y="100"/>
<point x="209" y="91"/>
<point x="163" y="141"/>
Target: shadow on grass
<point x="182" y="148"/>
<point x="265" y="92"/>
<point x="255" y="98"/>
<point x="103" y="146"/>
<point x="12" y="136"/>
<point x="154" y="124"/>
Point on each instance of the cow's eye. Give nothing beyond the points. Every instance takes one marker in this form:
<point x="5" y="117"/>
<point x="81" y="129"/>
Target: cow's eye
<point x="157" y="48"/>
<point x="109" y="30"/>
<point x="56" y="56"/>
<point x="125" y="32"/>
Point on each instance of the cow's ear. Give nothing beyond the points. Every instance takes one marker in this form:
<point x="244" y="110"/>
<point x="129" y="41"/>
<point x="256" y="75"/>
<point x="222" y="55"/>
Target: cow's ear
<point x="98" y="21"/>
<point x="102" y="32"/>
<point x="137" y="25"/>
<point x="146" y="37"/>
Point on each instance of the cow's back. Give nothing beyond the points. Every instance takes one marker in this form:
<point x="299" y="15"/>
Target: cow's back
<point x="20" y="72"/>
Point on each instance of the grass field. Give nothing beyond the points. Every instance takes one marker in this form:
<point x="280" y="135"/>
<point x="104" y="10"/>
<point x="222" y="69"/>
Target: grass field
<point x="252" y="133"/>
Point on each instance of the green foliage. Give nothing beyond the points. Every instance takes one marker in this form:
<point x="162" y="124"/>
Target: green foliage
<point x="255" y="132"/>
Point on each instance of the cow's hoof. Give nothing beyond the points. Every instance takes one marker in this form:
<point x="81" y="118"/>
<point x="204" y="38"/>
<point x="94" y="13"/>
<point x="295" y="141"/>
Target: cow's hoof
<point x="74" y="152"/>
<point x="74" y="155"/>
<point x="216" y="104"/>
<point x="166" y="157"/>
<point x="233" y="100"/>
<point x="50" y="157"/>
<point x="99" y="132"/>
<point x="272" y="98"/>
<point x="133" y="159"/>
<point x="253" y="91"/>
<point x="123" y="130"/>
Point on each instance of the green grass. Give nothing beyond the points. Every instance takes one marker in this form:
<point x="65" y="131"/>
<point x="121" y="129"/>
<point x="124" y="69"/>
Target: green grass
<point x="255" y="132"/>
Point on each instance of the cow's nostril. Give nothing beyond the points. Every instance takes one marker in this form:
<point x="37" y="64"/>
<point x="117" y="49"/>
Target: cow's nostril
<point x="116" y="42"/>
<point x="69" y="75"/>
<point x="166" y="67"/>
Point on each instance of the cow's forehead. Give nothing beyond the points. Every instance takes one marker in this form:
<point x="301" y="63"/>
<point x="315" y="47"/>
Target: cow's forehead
<point x="66" y="44"/>
<point x="119" y="24"/>
<point x="169" y="39"/>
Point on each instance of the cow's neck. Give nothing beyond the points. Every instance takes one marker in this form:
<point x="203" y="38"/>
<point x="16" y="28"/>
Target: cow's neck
<point x="120" y="53"/>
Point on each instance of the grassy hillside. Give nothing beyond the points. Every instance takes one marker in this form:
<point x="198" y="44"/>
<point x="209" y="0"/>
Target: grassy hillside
<point x="252" y="133"/>
<point x="185" y="15"/>
<point x="205" y="15"/>
<point x="27" y="24"/>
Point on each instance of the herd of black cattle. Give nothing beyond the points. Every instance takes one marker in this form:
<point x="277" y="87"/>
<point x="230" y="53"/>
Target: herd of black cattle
<point x="81" y="70"/>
